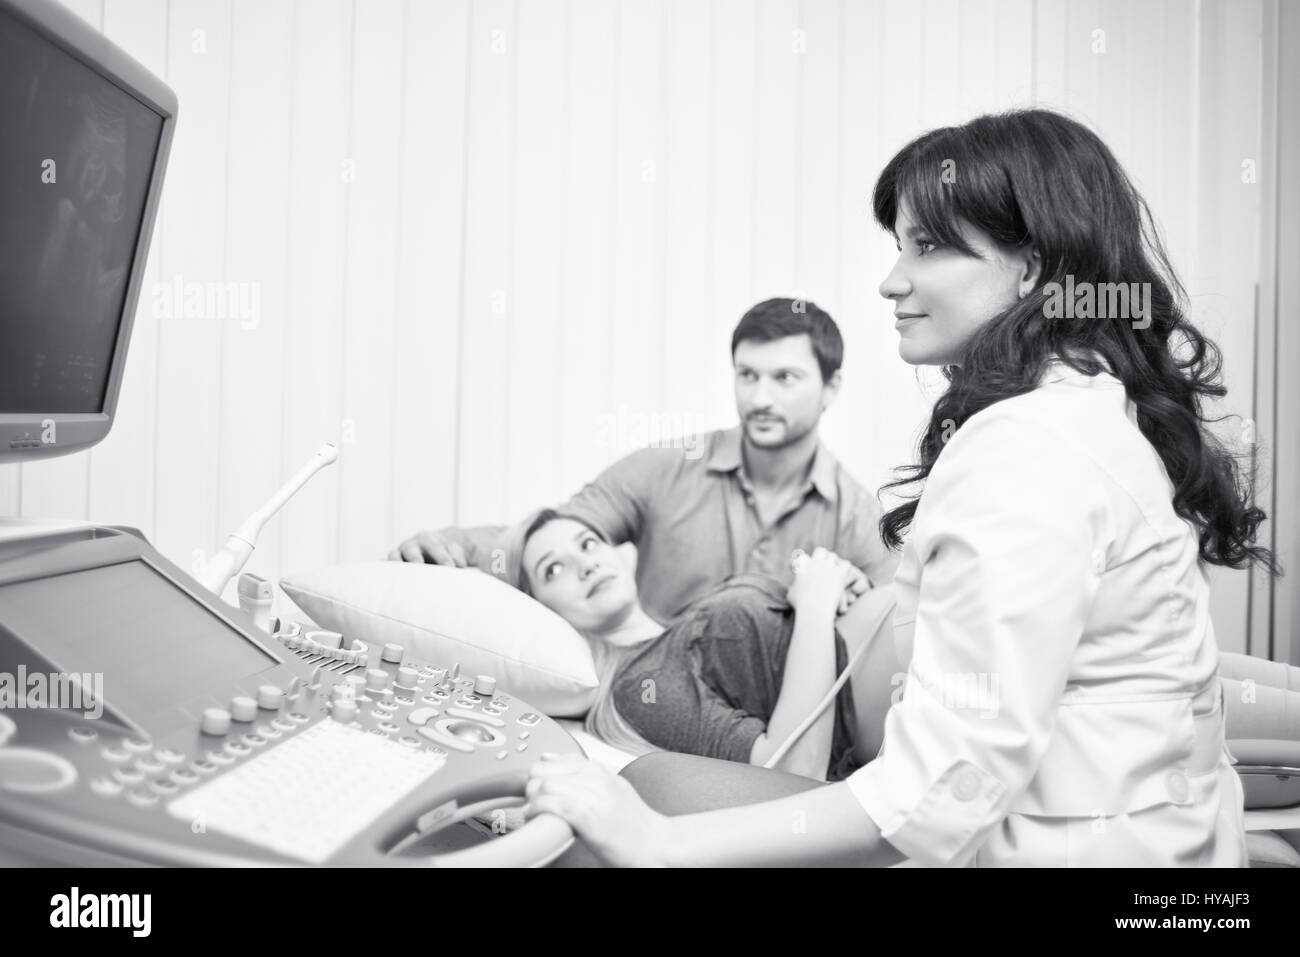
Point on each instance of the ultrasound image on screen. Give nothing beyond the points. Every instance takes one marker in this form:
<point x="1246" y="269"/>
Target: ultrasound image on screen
<point x="76" y="158"/>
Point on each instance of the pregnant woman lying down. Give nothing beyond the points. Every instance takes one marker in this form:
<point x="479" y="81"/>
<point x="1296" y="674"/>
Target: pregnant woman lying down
<point x="730" y="677"/>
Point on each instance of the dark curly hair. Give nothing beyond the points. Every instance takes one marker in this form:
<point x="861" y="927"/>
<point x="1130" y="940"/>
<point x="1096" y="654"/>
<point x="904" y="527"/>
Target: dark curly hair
<point x="1038" y="177"/>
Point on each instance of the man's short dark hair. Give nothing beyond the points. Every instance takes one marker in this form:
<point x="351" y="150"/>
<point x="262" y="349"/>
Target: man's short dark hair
<point x="779" y="318"/>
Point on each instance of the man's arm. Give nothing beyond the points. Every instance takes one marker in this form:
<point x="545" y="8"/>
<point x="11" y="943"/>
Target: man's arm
<point x="614" y="503"/>
<point x="482" y="546"/>
<point x="617" y="502"/>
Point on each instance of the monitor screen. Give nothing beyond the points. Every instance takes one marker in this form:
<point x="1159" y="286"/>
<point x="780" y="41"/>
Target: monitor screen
<point x="153" y="643"/>
<point x="76" y="161"/>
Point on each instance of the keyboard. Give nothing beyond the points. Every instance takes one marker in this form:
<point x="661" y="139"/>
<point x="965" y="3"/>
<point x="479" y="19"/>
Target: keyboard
<point x="309" y="796"/>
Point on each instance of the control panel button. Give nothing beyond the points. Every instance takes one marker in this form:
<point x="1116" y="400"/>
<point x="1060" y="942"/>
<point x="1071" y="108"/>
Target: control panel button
<point x="407" y="677"/>
<point x="376" y="679"/>
<point x="299" y="717"/>
<point x="142" y="798"/>
<point x="404" y="699"/>
<point x="528" y="719"/>
<point x="389" y="727"/>
<point x="393" y="652"/>
<point x="243" y="708"/>
<point x="253" y="739"/>
<point x="149" y="765"/>
<point x="106" y="787"/>
<point x="83" y="735"/>
<point x="184" y="776"/>
<point x="344" y="710"/>
<point x="31" y="771"/>
<point x="115" y="755"/>
<point x="284" y="724"/>
<point x="169" y="756"/>
<point x="203" y="767"/>
<point x="234" y="747"/>
<point x="137" y="745"/>
<point x="525" y="735"/>
<point x="270" y="698"/>
<point x="164" y="787"/>
<point x="485" y="685"/>
<point x="220" y="758"/>
<point x="216" y="721"/>
<point x="128" y="775"/>
<point x="267" y="731"/>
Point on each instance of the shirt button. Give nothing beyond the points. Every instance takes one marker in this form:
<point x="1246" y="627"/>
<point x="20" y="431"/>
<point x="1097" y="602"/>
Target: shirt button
<point x="1177" y="786"/>
<point x="967" y="785"/>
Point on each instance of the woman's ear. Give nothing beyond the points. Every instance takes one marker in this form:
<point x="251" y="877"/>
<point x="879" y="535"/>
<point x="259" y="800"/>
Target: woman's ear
<point x="1031" y="272"/>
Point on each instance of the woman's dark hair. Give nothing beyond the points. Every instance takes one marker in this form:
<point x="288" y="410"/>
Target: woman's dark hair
<point x="1040" y="178"/>
<point x="523" y="531"/>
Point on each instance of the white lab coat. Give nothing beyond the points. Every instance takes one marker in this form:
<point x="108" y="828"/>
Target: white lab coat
<point x="1061" y="705"/>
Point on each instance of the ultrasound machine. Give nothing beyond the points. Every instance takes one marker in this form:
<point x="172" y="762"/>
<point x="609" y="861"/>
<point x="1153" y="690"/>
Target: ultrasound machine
<point x="144" y="721"/>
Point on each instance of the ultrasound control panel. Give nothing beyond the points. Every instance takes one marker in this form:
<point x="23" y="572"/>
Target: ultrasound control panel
<point x="147" y="722"/>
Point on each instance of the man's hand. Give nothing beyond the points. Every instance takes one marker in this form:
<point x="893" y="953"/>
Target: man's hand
<point x="431" y="547"/>
<point x="603" y="809"/>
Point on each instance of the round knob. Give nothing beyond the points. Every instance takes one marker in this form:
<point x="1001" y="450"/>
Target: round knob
<point x="485" y="685"/>
<point x="243" y="708"/>
<point x="376" y="679"/>
<point x="393" y="652"/>
<point x="340" y="691"/>
<point x="406" y="677"/>
<point x="215" y="721"/>
<point x="345" y="710"/>
<point x="270" y="697"/>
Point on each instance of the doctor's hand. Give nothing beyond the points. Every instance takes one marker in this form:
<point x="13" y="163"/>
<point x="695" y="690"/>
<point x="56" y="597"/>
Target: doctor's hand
<point x="431" y="547"/>
<point x="603" y="809"/>
<point x="824" y="582"/>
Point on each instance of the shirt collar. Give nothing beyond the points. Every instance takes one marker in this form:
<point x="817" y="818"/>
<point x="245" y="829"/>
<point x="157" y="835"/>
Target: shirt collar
<point x="725" y="456"/>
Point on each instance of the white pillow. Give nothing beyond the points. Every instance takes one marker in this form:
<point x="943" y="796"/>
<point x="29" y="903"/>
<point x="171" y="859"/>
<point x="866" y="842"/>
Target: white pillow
<point x="447" y="615"/>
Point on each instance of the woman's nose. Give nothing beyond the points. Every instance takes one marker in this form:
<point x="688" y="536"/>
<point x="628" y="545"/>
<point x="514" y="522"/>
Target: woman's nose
<point x="895" y="285"/>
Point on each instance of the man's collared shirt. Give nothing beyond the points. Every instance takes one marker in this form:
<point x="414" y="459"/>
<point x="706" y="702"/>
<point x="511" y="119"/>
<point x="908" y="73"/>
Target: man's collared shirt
<point x="692" y="514"/>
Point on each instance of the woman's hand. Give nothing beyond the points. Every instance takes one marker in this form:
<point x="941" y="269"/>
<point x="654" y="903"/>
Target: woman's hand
<point x="823" y="583"/>
<point x="602" y="808"/>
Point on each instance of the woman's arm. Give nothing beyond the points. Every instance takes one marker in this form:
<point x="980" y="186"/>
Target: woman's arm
<point x="821" y="827"/>
<point x="809" y="669"/>
<point x="824" y="827"/>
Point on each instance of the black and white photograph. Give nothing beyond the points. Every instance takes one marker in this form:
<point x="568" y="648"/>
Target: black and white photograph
<point x="590" y="434"/>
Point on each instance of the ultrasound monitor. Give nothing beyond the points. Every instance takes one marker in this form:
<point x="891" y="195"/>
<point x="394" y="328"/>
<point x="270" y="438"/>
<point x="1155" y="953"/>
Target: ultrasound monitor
<point x="84" y="136"/>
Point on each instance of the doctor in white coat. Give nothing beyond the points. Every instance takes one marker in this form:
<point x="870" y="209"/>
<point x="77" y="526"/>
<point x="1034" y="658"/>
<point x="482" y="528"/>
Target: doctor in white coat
<point x="1061" y="704"/>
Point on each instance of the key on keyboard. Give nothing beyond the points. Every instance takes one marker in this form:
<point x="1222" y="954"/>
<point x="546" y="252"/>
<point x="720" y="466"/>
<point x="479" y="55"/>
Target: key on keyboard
<point x="309" y="796"/>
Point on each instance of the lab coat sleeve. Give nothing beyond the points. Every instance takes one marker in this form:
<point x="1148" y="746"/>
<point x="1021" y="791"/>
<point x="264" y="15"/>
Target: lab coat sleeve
<point x="1007" y="537"/>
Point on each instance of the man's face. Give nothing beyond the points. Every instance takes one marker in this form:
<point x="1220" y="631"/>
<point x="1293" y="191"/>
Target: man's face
<point x="780" y="394"/>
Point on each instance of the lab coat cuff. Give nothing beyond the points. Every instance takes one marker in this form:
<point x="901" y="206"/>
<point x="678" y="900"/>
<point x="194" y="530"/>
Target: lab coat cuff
<point x="946" y="825"/>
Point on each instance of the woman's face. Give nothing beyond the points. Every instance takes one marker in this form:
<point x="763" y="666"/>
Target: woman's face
<point x="578" y="576"/>
<point x="950" y="294"/>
